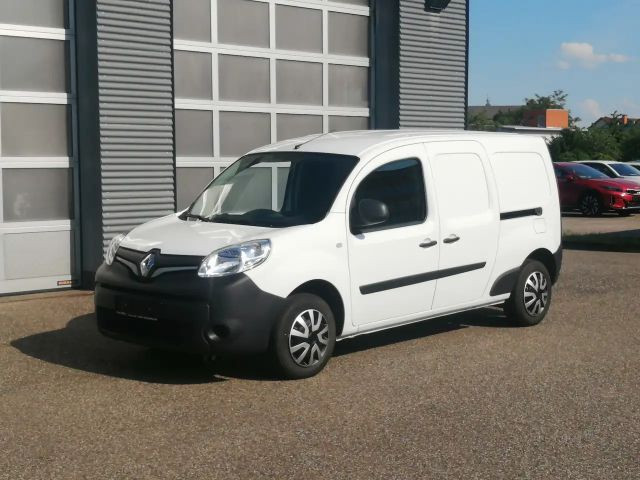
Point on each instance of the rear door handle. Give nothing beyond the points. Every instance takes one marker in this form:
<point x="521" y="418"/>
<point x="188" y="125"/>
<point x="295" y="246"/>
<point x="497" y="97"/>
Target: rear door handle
<point x="451" y="239"/>
<point x="428" y="243"/>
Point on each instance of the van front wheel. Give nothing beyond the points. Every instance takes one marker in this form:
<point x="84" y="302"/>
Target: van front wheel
<point x="531" y="298"/>
<point x="304" y="337"/>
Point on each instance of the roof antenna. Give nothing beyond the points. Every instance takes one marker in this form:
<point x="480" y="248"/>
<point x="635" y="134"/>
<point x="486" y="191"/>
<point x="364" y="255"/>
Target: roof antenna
<point x="297" y="147"/>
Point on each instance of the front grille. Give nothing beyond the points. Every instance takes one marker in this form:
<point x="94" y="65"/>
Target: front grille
<point x="633" y="192"/>
<point x="163" y="263"/>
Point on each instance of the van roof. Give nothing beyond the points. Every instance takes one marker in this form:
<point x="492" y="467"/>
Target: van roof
<point x="359" y="141"/>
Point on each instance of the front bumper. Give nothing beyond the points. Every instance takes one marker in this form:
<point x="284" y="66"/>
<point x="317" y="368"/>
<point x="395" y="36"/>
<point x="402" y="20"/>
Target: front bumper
<point x="181" y="311"/>
<point x="625" y="203"/>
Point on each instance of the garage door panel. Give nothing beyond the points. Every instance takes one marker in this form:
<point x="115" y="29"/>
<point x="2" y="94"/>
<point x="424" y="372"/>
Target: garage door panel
<point x="42" y="254"/>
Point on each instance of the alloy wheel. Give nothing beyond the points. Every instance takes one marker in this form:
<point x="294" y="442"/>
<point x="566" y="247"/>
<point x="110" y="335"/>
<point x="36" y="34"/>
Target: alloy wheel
<point x="308" y="338"/>
<point x="536" y="293"/>
<point x="590" y="205"/>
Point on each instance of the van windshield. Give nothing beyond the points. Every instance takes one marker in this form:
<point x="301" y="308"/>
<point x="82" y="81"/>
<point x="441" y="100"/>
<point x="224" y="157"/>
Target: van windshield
<point x="276" y="189"/>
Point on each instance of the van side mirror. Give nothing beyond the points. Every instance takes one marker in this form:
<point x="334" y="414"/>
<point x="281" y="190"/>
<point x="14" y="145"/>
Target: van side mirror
<point x="570" y="178"/>
<point x="370" y="212"/>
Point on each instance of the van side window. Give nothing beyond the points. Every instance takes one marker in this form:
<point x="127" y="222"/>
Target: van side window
<point x="400" y="186"/>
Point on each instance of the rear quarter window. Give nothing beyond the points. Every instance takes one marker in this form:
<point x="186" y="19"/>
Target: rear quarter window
<point x="521" y="179"/>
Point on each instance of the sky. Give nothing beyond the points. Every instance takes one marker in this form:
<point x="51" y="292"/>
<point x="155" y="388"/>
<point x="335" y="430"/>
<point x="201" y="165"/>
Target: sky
<point x="588" y="48"/>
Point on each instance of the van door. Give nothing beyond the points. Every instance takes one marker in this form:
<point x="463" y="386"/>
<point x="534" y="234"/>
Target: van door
<point x="469" y="221"/>
<point x="391" y="262"/>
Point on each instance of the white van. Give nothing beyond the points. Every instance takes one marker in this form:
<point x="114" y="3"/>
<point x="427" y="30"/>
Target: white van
<point x="306" y="242"/>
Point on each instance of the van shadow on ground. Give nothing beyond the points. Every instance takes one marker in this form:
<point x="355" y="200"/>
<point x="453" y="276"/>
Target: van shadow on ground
<point x="80" y="346"/>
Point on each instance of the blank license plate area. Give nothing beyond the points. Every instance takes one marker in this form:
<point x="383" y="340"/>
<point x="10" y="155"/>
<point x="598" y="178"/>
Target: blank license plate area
<point x="133" y="308"/>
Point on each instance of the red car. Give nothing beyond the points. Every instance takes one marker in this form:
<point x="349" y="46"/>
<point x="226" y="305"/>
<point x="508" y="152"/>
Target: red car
<point x="586" y="189"/>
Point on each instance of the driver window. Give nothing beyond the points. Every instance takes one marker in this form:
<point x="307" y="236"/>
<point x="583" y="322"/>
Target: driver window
<point x="400" y="186"/>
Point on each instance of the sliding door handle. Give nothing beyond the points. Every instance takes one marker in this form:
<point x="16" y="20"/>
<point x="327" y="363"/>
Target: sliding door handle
<point x="428" y="243"/>
<point x="451" y="239"/>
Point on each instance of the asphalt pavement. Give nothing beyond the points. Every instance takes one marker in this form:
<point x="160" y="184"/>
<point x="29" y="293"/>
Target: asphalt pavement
<point x="462" y="397"/>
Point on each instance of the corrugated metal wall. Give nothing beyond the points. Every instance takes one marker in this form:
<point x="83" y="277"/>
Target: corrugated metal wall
<point x="433" y="65"/>
<point x="135" y="81"/>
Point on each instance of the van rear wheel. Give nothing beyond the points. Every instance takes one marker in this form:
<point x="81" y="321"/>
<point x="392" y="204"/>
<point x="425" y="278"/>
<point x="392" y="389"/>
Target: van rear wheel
<point x="531" y="298"/>
<point x="304" y="337"/>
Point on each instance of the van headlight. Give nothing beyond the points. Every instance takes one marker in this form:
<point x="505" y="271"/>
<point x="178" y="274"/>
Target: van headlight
<point x="235" y="259"/>
<point x="110" y="254"/>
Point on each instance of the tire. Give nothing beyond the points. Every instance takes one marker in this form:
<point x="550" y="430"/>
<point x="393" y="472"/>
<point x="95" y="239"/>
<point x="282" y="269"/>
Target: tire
<point x="531" y="297"/>
<point x="591" y="205"/>
<point x="307" y="315"/>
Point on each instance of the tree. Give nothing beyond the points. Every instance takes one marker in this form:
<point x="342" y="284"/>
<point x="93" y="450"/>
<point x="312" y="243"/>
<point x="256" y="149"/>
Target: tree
<point x="577" y="144"/>
<point x="480" y="121"/>
<point x="513" y="117"/>
<point x="558" y="99"/>
<point x="630" y="145"/>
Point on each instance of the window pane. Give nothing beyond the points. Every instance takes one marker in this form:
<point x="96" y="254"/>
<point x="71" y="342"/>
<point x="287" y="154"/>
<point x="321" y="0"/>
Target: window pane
<point x="292" y="126"/>
<point x="243" y="22"/>
<point x="193" y="75"/>
<point x="241" y="132"/>
<point x="298" y="29"/>
<point x="190" y="182"/>
<point x="35" y="130"/>
<point x="39" y="13"/>
<point x="299" y="82"/>
<point x="36" y="194"/>
<point x="400" y="186"/>
<point x="348" y="34"/>
<point x="33" y="64"/>
<point x="342" y="124"/>
<point x="192" y="20"/>
<point x="244" y="79"/>
<point x="22" y="251"/>
<point x="348" y="86"/>
<point x="354" y="2"/>
<point x="194" y="133"/>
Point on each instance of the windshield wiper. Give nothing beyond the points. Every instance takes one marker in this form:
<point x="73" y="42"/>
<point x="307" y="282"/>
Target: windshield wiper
<point x="197" y="217"/>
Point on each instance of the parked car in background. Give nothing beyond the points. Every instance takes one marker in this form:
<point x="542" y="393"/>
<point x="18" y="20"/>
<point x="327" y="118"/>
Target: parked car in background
<point x="592" y="192"/>
<point x="614" y="169"/>
<point x="361" y="232"/>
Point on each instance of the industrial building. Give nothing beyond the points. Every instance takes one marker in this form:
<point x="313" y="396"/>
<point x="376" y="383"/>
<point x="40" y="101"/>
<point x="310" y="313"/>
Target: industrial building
<point x="115" y="112"/>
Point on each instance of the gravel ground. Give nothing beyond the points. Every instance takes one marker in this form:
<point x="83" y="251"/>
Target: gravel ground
<point x="577" y="224"/>
<point x="465" y="396"/>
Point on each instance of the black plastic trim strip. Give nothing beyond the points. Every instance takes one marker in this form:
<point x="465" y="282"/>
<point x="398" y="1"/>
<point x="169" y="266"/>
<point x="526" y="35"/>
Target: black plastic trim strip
<point x="420" y="278"/>
<point x="505" y="283"/>
<point x="531" y="212"/>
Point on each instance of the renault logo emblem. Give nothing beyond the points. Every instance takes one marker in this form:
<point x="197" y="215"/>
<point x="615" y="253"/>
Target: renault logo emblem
<point x="147" y="264"/>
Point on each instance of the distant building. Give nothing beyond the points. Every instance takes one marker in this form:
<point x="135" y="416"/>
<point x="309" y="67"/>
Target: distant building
<point x="546" y="123"/>
<point x="548" y="133"/>
<point x="550" y="118"/>
<point x="490" y="111"/>
<point x="624" y="120"/>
